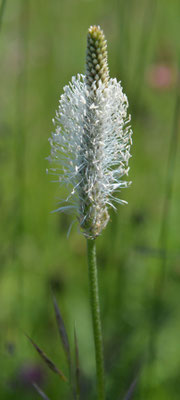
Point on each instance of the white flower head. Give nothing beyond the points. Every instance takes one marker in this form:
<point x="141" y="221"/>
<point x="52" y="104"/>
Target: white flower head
<point x="91" y="143"/>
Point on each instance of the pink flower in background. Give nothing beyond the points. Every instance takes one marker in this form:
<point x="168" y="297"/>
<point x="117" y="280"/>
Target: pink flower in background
<point x="30" y="373"/>
<point x="161" y="76"/>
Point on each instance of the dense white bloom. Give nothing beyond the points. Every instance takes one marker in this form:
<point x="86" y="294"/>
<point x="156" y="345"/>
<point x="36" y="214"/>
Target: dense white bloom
<point x="91" y="149"/>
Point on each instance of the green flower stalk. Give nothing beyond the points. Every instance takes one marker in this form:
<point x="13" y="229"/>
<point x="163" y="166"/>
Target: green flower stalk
<point x="90" y="150"/>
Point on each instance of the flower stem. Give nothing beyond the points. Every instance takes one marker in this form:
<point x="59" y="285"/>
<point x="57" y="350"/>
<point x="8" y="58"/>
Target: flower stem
<point x="95" y="310"/>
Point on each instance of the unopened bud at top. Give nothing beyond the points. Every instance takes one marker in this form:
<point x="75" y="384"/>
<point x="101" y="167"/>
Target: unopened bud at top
<point x="96" y="58"/>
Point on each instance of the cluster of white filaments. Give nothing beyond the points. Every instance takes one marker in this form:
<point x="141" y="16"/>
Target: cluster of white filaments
<point x="90" y="149"/>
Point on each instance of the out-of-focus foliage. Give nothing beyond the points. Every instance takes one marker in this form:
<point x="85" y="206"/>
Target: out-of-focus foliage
<point x="42" y="44"/>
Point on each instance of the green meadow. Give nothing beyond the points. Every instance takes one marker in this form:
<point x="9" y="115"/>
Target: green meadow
<point x="42" y="45"/>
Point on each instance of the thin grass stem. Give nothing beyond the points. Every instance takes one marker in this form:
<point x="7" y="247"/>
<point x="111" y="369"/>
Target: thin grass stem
<point x="2" y="11"/>
<point x="160" y="282"/>
<point x="95" y="310"/>
<point x="145" y="38"/>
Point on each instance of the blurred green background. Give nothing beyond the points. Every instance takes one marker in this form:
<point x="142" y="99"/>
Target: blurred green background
<point x="42" y="44"/>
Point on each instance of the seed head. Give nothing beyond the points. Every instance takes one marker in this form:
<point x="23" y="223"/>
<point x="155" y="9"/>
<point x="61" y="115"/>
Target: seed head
<point x="91" y="143"/>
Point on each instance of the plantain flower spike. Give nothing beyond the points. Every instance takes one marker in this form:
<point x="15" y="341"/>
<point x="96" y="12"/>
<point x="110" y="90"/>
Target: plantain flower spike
<point x="90" y="147"/>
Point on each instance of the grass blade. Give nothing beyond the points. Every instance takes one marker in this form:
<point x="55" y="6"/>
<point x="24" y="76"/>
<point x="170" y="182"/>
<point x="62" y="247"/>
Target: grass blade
<point x="40" y="392"/>
<point x="131" y="389"/>
<point x="77" y="370"/>
<point x="62" y="332"/>
<point x="2" y="11"/>
<point x="47" y="360"/>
